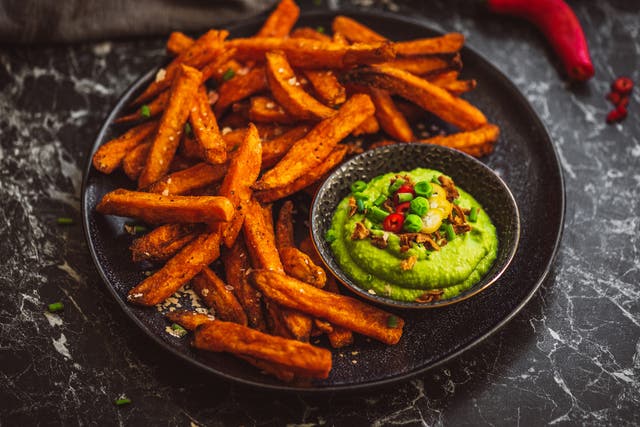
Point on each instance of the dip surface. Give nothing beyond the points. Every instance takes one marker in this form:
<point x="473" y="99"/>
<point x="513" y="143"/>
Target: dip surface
<point x="435" y="273"/>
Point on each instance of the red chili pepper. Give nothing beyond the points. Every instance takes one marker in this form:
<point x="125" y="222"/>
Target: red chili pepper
<point x="393" y="222"/>
<point x="561" y="28"/>
<point x="617" y="115"/>
<point x="622" y="85"/>
<point x="403" y="208"/>
<point x="406" y="189"/>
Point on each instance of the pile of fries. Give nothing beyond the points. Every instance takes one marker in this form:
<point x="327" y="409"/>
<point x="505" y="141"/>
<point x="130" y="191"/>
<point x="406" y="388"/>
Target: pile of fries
<point x="230" y="126"/>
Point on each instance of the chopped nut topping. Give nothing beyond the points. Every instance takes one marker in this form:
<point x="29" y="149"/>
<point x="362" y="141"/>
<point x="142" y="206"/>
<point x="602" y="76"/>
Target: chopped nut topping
<point x="380" y="241"/>
<point x="407" y="264"/>
<point x="353" y="207"/>
<point x="449" y="186"/>
<point x="430" y="296"/>
<point x="360" y="232"/>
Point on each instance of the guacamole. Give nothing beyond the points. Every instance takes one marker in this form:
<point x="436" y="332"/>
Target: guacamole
<point x="412" y="236"/>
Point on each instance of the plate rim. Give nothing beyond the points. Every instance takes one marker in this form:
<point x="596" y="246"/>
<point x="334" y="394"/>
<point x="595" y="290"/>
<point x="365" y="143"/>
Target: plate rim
<point x="381" y="383"/>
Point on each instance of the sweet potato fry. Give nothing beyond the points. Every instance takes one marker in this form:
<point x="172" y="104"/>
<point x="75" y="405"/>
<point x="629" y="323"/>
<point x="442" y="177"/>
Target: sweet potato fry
<point x="238" y="88"/>
<point x="236" y="267"/>
<point x="171" y="126"/>
<point x="338" y="337"/>
<point x="326" y="86"/>
<point x="205" y="128"/>
<point x="260" y="239"/>
<point x="340" y="310"/>
<point x="369" y="126"/>
<point x="432" y="98"/>
<point x="109" y="156"/>
<point x="229" y="337"/>
<point x="390" y="118"/>
<point x="243" y="171"/>
<point x="427" y="65"/>
<point x="223" y="64"/>
<point x="202" y="51"/>
<point x="153" y="109"/>
<point x="354" y="31"/>
<point x="201" y="252"/>
<point x="295" y="262"/>
<point x="134" y="161"/>
<point x="186" y="180"/>
<point x="309" y="152"/>
<point x="441" y="79"/>
<point x="190" y="148"/>
<point x="309" y="33"/>
<point x="304" y="53"/>
<point x="458" y="87"/>
<point x="215" y="295"/>
<point x="286" y="89"/>
<point x="164" y="241"/>
<point x="274" y="149"/>
<point x="158" y="209"/>
<point x="448" y="43"/>
<point x="178" y="42"/>
<point x="281" y="20"/>
<point x="478" y="142"/>
<point x="306" y="180"/>
<point x="265" y="110"/>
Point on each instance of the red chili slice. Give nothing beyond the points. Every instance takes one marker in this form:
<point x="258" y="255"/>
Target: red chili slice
<point x="403" y="208"/>
<point x="393" y="222"/>
<point x="622" y="85"/>
<point x="406" y="189"/>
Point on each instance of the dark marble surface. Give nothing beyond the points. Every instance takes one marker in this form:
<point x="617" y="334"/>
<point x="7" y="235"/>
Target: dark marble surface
<point x="572" y="356"/>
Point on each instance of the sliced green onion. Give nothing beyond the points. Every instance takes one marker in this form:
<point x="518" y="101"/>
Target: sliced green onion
<point x="360" y="204"/>
<point x="187" y="129"/>
<point x="435" y="180"/>
<point x="122" y="401"/>
<point x="423" y="188"/>
<point x="139" y="229"/>
<point x="56" y="306"/>
<point x="145" y="111"/>
<point x="412" y="223"/>
<point x="320" y="29"/>
<point x="419" y="206"/>
<point x="395" y="186"/>
<point x="358" y="186"/>
<point x="228" y="75"/>
<point x="380" y="200"/>
<point x="376" y="214"/>
<point x="448" y="229"/>
<point x="392" y="321"/>
<point x="473" y="214"/>
<point x="64" y="221"/>
<point x="180" y="331"/>
<point x="404" y="197"/>
<point x="330" y="236"/>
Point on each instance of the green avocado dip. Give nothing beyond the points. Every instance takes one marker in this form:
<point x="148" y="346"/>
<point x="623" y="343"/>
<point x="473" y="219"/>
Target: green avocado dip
<point x="412" y="236"/>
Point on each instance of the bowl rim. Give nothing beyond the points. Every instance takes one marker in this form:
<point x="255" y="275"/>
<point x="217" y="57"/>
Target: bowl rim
<point x="382" y="300"/>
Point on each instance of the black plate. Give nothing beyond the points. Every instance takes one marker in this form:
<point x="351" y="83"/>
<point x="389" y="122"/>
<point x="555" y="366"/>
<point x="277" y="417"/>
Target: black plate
<point x="525" y="158"/>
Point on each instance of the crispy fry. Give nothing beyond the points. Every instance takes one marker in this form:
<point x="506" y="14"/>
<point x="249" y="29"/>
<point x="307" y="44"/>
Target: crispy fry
<point x="154" y="108"/>
<point x="438" y="101"/>
<point x="201" y="252"/>
<point x="260" y="239"/>
<point x="205" y="128"/>
<point x="171" y="126"/>
<point x="354" y="31"/>
<point x="339" y="337"/>
<point x="304" y="181"/>
<point x="281" y="20"/>
<point x="427" y="65"/>
<point x="304" y="53"/>
<point x="441" y="79"/>
<point x="369" y="126"/>
<point x="326" y="86"/>
<point x="158" y="209"/>
<point x="390" y="118"/>
<point x="163" y="242"/>
<point x="178" y="42"/>
<point x="236" y="266"/>
<point x="458" y="87"/>
<point x="190" y="148"/>
<point x="274" y="149"/>
<point x="295" y="262"/>
<point x="215" y="294"/>
<point x="286" y="89"/>
<point x="109" y="156"/>
<point x="243" y="171"/>
<point x="201" y="52"/>
<point x="265" y="110"/>
<point x="186" y="180"/>
<point x="340" y="310"/>
<point x="309" y="152"/>
<point x="309" y="33"/>
<point x="448" y="43"/>
<point x="478" y="142"/>
<point x="238" y="88"/>
<point x="134" y="161"/>
<point x="300" y="357"/>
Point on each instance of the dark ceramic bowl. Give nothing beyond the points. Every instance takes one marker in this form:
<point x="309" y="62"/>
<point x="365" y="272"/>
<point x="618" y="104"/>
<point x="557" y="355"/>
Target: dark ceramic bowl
<point x="468" y="173"/>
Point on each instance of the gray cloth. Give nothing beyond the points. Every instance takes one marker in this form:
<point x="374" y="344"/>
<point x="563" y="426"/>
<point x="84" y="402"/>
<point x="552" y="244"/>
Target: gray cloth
<point x="52" y="21"/>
